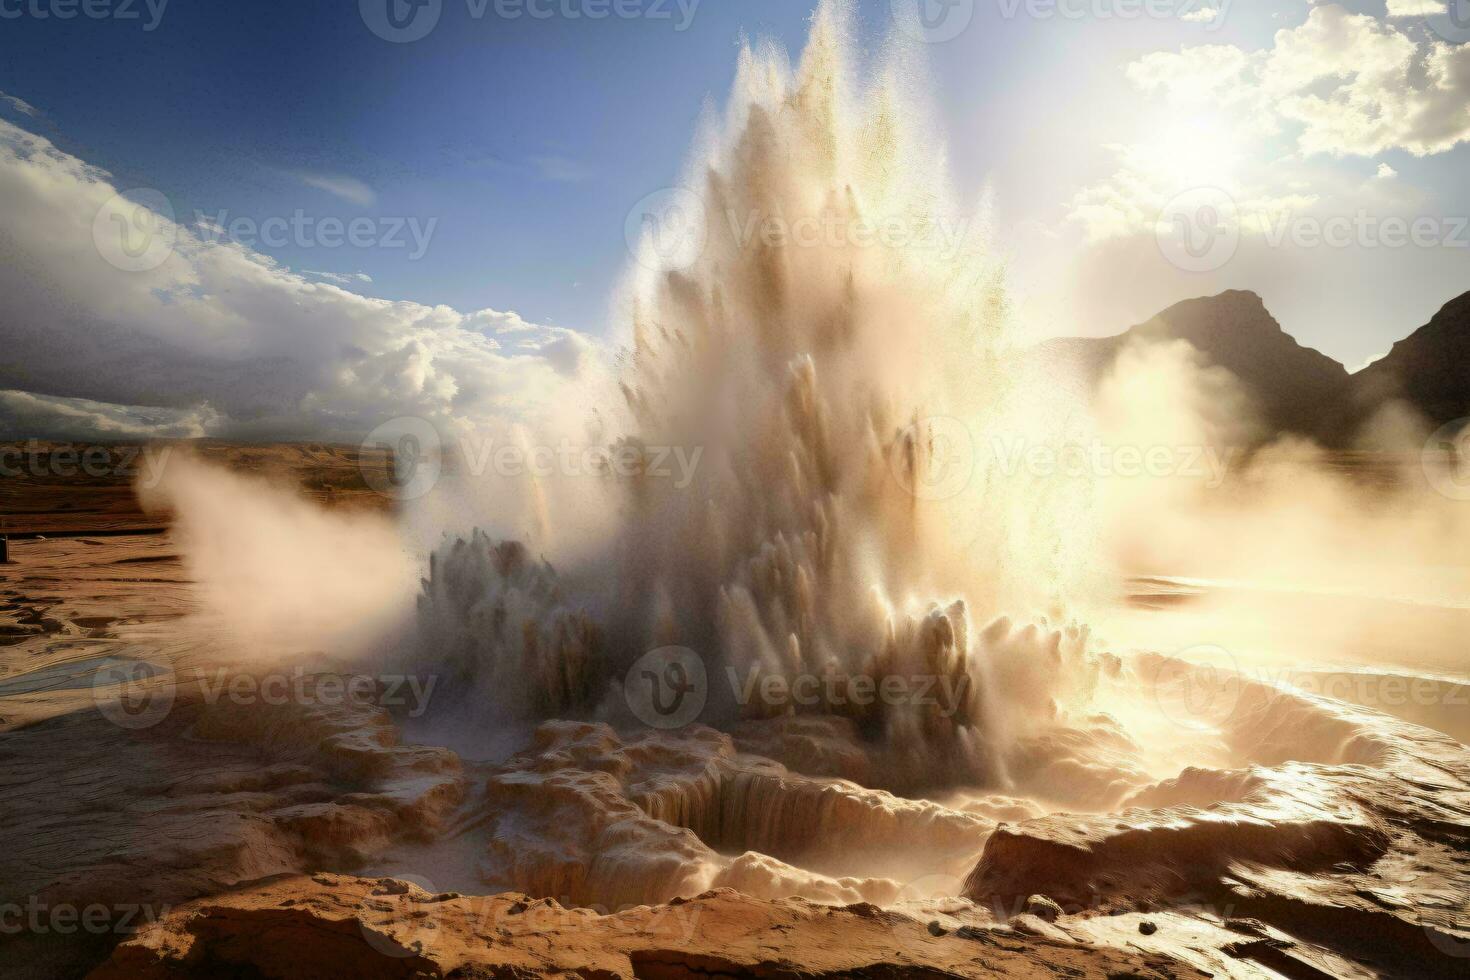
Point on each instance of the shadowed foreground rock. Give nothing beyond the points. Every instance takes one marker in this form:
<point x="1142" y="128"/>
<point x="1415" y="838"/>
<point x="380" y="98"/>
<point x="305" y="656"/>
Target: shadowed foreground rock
<point x="336" y="926"/>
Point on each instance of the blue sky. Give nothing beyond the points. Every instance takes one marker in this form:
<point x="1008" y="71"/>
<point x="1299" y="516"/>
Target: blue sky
<point x="526" y="141"/>
<point x="529" y="139"/>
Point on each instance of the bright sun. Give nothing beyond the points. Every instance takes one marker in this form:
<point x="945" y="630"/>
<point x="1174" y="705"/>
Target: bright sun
<point x="1192" y="150"/>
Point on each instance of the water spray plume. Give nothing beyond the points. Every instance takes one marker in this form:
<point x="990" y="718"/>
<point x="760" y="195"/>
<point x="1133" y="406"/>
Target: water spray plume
<point x="816" y="319"/>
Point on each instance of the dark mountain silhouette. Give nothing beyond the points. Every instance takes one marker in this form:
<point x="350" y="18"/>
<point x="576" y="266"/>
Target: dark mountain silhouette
<point x="1429" y="369"/>
<point x="1295" y="388"/>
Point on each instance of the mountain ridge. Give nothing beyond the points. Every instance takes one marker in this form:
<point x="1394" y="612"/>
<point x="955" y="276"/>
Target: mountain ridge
<point x="1297" y="388"/>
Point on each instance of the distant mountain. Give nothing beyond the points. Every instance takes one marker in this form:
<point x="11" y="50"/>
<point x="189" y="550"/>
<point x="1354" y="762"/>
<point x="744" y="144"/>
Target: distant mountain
<point x="1296" y="389"/>
<point x="1429" y="369"/>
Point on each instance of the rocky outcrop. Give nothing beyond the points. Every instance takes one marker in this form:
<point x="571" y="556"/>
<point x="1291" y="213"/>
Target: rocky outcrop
<point x="330" y="926"/>
<point x="219" y="790"/>
<point x="1351" y="825"/>
<point x="591" y="817"/>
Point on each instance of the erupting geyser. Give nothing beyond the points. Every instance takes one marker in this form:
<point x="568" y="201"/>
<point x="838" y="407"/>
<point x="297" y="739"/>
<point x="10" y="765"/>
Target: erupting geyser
<point x="815" y="323"/>
<point x="823" y="336"/>
<point x="799" y="643"/>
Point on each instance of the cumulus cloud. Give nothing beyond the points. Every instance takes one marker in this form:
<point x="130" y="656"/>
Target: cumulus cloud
<point x="1201" y="15"/>
<point x="1415" y="8"/>
<point x="1349" y="84"/>
<point x="1339" y="84"/>
<point x="1139" y="193"/>
<point x="1359" y="86"/>
<point x="1385" y="172"/>
<point x="213" y="338"/>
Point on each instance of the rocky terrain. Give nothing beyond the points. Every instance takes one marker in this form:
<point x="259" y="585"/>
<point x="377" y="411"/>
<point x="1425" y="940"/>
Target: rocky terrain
<point x="219" y="835"/>
<point x="331" y="926"/>
<point x="182" y="803"/>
